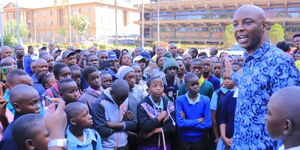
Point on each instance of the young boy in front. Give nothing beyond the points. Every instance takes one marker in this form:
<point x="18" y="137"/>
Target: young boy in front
<point x="193" y="116"/>
<point x="24" y="99"/>
<point x="79" y="136"/>
<point x="283" y="120"/>
<point x="112" y="119"/>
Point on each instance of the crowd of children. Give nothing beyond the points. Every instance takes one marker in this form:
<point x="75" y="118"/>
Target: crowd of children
<point x="122" y="100"/>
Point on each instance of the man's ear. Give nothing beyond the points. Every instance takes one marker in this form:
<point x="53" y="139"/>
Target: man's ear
<point x="266" y="25"/>
<point x="288" y="127"/>
<point x="16" y="107"/>
<point x="29" y="144"/>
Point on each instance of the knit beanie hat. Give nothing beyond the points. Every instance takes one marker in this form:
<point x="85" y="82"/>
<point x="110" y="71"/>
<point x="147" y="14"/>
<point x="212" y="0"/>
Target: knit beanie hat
<point x="123" y="71"/>
<point x="169" y="62"/>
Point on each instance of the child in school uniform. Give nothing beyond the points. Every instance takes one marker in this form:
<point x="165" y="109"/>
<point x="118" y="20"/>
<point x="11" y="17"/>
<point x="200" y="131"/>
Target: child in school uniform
<point x="217" y="100"/>
<point x="192" y="116"/>
<point x="156" y="118"/>
<point x="79" y="136"/>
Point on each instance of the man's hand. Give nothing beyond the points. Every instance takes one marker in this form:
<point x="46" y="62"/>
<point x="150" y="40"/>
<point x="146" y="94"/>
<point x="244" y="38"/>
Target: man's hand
<point x="149" y="134"/>
<point x="57" y="121"/>
<point x="128" y="116"/>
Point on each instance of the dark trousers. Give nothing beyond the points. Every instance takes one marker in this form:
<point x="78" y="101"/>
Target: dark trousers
<point x="196" y="145"/>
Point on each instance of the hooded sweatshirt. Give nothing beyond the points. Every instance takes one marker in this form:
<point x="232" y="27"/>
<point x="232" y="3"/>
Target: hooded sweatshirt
<point x="105" y="109"/>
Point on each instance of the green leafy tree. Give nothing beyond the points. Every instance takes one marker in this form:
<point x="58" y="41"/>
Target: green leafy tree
<point x="11" y="29"/>
<point x="276" y="33"/>
<point x="228" y="37"/>
<point x="80" y="23"/>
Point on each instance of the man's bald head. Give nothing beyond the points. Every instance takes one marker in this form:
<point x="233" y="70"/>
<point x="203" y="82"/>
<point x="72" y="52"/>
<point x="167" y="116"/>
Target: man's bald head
<point x="251" y="10"/>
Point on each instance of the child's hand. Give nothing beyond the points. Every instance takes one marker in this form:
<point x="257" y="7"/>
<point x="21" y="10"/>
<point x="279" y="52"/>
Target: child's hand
<point x="128" y="116"/>
<point x="57" y="121"/>
<point x="227" y="141"/>
<point x="162" y="116"/>
<point x="182" y="114"/>
<point x="200" y="120"/>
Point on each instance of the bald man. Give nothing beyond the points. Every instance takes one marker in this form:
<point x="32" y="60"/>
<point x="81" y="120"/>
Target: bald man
<point x="266" y="70"/>
<point x="5" y="52"/>
<point x="283" y="119"/>
<point x="41" y="65"/>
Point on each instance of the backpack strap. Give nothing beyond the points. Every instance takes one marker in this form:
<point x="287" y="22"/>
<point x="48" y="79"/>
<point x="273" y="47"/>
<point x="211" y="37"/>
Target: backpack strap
<point x="54" y="92"/>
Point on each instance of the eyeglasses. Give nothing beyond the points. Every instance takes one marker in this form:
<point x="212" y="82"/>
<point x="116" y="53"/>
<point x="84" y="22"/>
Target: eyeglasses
<point x="173" y="47"/>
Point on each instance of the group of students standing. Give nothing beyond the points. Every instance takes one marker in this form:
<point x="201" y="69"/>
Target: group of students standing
<point x="168" y="101"/>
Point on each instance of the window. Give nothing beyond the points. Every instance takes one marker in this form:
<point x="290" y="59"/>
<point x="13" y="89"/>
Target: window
<point x="51" y="23"/>
<point x="125" y="18"/>
<point x="50" y="12"/>
<point x="79" y="10"/>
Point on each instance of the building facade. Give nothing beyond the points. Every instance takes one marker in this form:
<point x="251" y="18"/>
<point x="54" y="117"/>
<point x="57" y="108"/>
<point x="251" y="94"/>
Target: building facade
<point x="203" y="21"/>
<point x="48" y="22"/>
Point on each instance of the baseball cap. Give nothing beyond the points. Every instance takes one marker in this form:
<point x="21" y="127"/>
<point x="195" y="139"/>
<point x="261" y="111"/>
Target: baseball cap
<point x="112" y="55"/>
<point x="56" y="50"/>
<point x="67" y="53"/>
<point x="145" y="55"/>
<point x="138" y="58"/>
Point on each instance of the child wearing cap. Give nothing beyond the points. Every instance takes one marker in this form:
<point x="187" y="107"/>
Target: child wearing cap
<point x="171" y="82"/>
<point x="69" y="58"/>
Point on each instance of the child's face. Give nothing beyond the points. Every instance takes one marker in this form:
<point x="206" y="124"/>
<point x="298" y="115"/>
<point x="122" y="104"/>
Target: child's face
<point x="71" y="60"/>
<point x="29" y="104"/>
<point x="138" y="73"/>
<point x="50" y="81"/>
<point x="130" y="78"/>
<point x="94" y="80"/>
<point x="156" y="88"/>
<point x="235" y="68"/>
<point x="126" y="60"/>
<point x="275" y="125"/>
<point x="106" y="81"/>
<point x="181" y="66"/>
<point x="228" y="83"/>
<point x="84" y="118"/>
<point x="160" y="62"/>
<point x="197" y="68"/>
<point x="71" y="93"/>
<point x="206" y="65"/>
<point x="171" y="72"/>
<point x="93" y="61"/>
<point x="193" y="85"/>
<point x="76" y="76"/>
<point x="217" y="69"/>
<point x="142" y="64"/>
<point x="42" y="138"/>
<point x="65" y="73"/>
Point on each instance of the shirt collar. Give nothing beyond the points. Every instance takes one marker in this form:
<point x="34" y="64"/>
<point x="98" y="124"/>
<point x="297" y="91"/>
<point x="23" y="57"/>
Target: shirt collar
<point x="260" y="51"/>
<point x="161" y="104"/>
<point x="89" y="136"/>
<point x="190" y="100"/>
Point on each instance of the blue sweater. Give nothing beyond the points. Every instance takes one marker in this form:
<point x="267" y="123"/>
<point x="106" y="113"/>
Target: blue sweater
<point x="189" y="129"/>
<point x="215" y="81"/>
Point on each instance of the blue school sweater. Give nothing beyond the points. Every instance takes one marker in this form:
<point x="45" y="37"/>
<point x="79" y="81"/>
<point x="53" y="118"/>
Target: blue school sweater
<point x="188" y="128"/>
